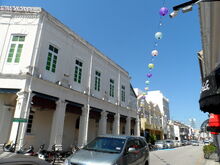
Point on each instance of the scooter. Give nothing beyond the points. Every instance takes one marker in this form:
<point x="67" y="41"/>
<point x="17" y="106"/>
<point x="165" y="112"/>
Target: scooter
<point x="28" y="152"/>
<point x="9" y="147"/>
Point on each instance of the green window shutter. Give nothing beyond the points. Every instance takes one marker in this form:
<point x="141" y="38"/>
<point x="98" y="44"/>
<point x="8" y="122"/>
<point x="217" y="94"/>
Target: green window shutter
<point x="80" y="75"/>
<point x="18" y="54"/>
<point x="76" y="73"/>
<point x="54" y="64"/>
<point x="95" y="83"/>
<point x="11" y="53"/>
<point x="15" y="38"/>
<point x="113" y="93"/>
<point x="49" y="59"/>
<point x="98" y="84"/>
<point x="21" y="38"/>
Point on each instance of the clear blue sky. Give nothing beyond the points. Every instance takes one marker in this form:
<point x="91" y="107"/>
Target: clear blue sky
<point x="124" y="31"/>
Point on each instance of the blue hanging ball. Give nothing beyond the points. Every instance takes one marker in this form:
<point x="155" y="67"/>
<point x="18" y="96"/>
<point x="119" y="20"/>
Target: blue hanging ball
<point x="158" y="35"/>
<point x="147" y="82"/>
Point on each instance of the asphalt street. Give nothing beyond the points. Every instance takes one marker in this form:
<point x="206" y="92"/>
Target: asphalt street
<point x="186" y="155"/>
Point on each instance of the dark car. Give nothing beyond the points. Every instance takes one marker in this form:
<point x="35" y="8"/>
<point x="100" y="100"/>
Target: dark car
<point x="112" y="150"/>
<point x="23" y="161"/>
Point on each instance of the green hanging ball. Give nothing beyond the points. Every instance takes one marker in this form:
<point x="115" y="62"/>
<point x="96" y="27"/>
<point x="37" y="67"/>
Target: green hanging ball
<point x="150" y="66"/>
<point x="146" y="89"/>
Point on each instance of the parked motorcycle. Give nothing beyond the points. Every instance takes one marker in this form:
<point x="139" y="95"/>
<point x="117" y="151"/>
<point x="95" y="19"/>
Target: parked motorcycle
<point x="9" y="147"/>
<point x="29" y="151"/>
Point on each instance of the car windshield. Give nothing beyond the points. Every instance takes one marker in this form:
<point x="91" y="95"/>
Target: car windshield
<point x="106" y="144"/>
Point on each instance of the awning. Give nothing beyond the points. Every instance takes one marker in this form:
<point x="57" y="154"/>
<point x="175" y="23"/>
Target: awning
<point x="74" y="104"/>
<point x="44" y="96"/>
<point x="5" y="90"/>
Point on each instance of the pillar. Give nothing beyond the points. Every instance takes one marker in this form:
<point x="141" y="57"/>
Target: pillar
<point x="22" y="109"/>
<point x="83" y="126"/>
<point x="6" y="115"/>
<point x="137" y="127"/>
<point x="56" y="135"/>
<point x="103" y="123"/>
<point x="116" y="124"/>
<point x="128" y="126"/>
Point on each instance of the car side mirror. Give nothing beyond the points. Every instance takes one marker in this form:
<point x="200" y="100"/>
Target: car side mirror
<point x="131" y="150"/>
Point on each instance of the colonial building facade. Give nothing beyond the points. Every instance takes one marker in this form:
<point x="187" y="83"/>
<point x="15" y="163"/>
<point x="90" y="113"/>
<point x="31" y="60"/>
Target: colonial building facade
<point x="150" y="117"/>
<point x="56" y="88"/>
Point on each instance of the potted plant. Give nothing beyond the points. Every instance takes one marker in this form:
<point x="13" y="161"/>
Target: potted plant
<point x="209" y="150"/>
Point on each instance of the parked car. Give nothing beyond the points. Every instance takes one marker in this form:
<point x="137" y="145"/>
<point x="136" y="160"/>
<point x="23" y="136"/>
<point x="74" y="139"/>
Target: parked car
<point x="23" y="161"/>
<point x="175" y="143"/>
<point x="185" y="142"/>
<point x="206" y="142"/>
<point x="112" y="150"/>
<point x="161" y="144"/>
<point x="179" y="144"/>
<point x="194" y="143"/>
<point x="169" y="143"/>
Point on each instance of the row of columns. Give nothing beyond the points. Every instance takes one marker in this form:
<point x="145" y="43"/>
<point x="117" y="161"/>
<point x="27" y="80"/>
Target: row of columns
<point x="22" y="111"/>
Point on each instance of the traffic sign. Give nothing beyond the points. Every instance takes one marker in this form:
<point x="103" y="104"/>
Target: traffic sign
<point x="21" y="120"/>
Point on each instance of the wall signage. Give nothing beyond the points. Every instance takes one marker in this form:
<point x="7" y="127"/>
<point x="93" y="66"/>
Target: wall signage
<point x="20" y="9"/>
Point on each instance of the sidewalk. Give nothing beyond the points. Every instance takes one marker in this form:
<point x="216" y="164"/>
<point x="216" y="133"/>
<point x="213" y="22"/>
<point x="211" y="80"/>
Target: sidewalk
<point x="211" y="162"/>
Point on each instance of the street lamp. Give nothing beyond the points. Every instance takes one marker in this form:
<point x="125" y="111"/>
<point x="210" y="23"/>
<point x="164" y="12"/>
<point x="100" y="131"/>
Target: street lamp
<point x="187" y="6"/>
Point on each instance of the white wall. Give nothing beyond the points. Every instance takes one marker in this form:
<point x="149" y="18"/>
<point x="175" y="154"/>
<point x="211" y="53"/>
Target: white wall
<point x="29" y="29"/>
<point x="41" y="129"/>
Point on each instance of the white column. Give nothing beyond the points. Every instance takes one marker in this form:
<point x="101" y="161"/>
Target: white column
<point x="103" y="123"/>
<point x="137" y="127"/>
<point x="116" y="124"/>
<point x="56" y="135"/>
<point x="6" y="115"/>
<point x="83" y="126"/>
<point x="22" y="109"/>
<point x="128" y="126"/>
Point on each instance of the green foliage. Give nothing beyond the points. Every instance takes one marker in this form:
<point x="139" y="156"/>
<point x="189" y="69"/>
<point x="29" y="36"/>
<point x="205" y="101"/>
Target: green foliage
<point x="209" y="149"/>
<point x="153" y="138"/>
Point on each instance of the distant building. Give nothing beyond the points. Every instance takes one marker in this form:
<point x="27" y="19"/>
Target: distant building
<point x="60" y="88"/>
<point x="150" y="116"/>
<point x="163" y="103"/>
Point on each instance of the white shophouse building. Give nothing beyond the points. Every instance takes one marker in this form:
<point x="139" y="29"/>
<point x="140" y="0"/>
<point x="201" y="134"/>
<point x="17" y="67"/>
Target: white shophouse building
<point x="68" y="90"/>
<point x="158" y="98"/>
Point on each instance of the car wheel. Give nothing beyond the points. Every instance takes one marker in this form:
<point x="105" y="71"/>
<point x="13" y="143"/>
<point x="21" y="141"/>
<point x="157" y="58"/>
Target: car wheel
<point x="147" y="162"/>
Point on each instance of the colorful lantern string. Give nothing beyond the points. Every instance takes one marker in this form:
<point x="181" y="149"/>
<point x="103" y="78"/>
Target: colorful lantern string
<point x="154" y="53"/>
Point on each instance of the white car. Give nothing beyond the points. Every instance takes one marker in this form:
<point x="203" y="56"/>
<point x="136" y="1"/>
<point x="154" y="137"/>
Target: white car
<point x="195" y="143"/>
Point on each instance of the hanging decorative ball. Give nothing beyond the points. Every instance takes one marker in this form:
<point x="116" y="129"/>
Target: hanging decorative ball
<point x="163" y="11"/>
<point x="146" y="89"/>
<point x="150" y="66"/>
<point x="147" y="82"/>
<point x="158" y="35"/>
<point x="154" y="53"/>
<point x="149" y="75"/>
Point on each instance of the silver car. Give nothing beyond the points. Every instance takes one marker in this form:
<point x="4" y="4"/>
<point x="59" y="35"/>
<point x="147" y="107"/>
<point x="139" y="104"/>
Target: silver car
<point x="112" y="150"/>
<point x="160" y="144"/>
